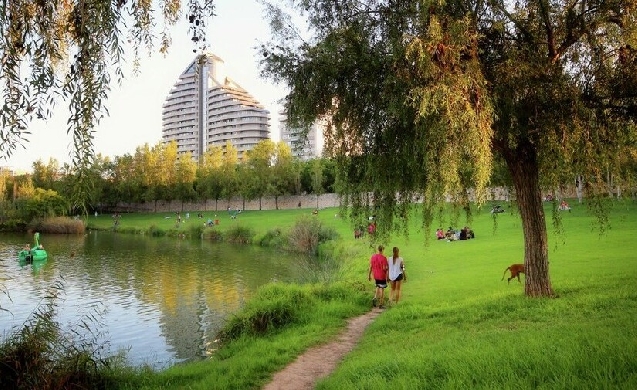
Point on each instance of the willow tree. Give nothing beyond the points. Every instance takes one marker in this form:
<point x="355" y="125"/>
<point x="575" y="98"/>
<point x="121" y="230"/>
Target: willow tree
<point x="420" y="97"/>
<point x="71" y="51"/>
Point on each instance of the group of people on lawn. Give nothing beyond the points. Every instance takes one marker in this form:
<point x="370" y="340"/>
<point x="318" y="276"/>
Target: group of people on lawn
<point x="452" y="235"/>
<point x="386" y="271"/>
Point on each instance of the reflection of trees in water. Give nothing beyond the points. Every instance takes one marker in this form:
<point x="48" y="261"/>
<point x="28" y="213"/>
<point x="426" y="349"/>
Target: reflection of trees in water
<point x="204" y="289"/>
<point x="193" y="285"/>
<point x="197" y="285"/>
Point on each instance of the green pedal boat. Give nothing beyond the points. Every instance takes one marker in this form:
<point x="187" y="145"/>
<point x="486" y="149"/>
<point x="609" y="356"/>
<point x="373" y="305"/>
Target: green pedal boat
<point x="36" y="253"/>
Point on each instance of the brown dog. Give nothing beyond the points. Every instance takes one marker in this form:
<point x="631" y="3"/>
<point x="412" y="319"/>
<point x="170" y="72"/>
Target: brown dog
<point x="516" y="270"/>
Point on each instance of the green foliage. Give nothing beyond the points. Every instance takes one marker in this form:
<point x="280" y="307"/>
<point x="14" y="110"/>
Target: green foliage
<point x="320" y="269"/>
<point x="327" y="233"/>
<point x="71" y="51"/>
<point x="277" y="306"/>
<point x="273" y="238"/>
<point x="154" y="173"/>
<point x="342" y="290"/>
<point x="40" y="356"/>
<point x="317" y="176"/>
<point x="239" y="234"/>
<point x="461" y="84"/>
<point x="195" y="231"/>
<point x="13" y="225"/>
<point x="307" y="233"/>
<point x="213" y="235"/>
<point x="42" y="204"/>
<point x="376" y="130"/>
<point x="154" y="231"/>
<point x="274" y="307"/>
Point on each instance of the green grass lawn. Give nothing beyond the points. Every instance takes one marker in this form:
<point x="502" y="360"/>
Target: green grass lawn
<point x="259" y="221"/>
<point x="458" y="326"/>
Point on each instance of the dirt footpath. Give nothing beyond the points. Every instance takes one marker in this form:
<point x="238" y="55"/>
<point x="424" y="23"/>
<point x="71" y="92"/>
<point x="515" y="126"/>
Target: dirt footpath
<point x="320" y="361"/>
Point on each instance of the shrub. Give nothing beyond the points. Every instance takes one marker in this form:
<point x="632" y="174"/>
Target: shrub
<point x="42" y="204"/>
<point x="343" y="290"/>
<point x="273" y="307"/>
<point x="273" y="238"/>
<point x="154" y="231"/>
<point x="279" y="305"/>
<point x="13" y="225"/>
<point x="213" y="235"/>
<point x="239" y="235"/>
<point x="307" y="233"/>
<point x="304" y="235"/>
<point x="195" y="231"/>
<point x="327" y="233"/>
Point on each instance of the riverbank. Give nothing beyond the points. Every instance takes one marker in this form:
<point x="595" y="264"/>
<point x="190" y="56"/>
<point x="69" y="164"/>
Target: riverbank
<point x="260" y="227"/>
<point x="458" y="324"/>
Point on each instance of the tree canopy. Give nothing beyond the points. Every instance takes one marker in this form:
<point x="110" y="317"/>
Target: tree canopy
<point x="72" y="51"/>
<point x="420" y="97"/>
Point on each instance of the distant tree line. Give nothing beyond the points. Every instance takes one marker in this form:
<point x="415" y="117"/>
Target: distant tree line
<point x="160" y="173"/>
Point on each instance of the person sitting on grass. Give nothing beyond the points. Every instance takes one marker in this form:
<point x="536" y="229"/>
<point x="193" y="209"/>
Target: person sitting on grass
<point x="450" y="235"/>
<point x="497" y="209"/>
<point x="564" y="206"/>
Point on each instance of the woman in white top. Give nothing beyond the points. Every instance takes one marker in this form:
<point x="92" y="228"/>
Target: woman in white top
<point x="396" y="275"/>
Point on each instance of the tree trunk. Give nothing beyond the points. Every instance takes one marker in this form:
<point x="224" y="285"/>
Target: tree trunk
<point x="523" y="165"/>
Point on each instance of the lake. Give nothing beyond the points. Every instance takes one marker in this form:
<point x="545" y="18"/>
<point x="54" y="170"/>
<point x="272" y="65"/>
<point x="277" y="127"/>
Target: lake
<point x="163" y="300"/>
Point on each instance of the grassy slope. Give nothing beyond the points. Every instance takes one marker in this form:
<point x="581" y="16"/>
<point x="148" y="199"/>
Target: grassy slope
<point x="459" y="325"/>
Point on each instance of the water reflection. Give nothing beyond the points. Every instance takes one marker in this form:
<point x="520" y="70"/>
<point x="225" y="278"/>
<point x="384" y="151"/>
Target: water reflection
<point x="164" y="298"/>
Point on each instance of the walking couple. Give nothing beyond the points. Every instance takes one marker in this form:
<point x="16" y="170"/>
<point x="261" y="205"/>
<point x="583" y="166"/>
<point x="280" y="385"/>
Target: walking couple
<point x="385" y="271"/>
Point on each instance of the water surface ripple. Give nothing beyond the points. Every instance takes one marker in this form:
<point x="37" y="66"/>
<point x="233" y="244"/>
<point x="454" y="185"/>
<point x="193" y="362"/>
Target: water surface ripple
<point x="161" y="300"/>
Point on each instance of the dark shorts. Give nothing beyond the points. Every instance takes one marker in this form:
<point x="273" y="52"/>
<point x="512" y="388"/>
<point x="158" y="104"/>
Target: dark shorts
<point x="399" y="278"/>
<point x="381" y="283"/>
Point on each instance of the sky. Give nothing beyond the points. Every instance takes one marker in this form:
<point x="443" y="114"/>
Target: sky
<point x="135" y="105"/>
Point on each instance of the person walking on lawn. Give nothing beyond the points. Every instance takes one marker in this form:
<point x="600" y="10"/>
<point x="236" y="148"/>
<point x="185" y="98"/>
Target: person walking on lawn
<point x="396" y="274"/>
<point x="378" y="269"/>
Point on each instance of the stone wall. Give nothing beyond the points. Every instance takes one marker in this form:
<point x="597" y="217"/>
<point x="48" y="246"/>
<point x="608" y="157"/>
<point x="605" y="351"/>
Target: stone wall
<point x="265" y="203"/>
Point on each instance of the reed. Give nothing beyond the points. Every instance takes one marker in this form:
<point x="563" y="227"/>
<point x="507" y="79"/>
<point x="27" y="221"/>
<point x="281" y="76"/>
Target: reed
<point x="40" y="355"/>
<point x="239" y="234"/>
<point x="57" y="225"/>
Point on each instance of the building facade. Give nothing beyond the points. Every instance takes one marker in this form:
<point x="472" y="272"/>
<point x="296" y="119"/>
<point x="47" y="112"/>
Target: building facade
<point x="304" y="146"/>
<point x="205" y="107"/>
<point x="7" y="171"/>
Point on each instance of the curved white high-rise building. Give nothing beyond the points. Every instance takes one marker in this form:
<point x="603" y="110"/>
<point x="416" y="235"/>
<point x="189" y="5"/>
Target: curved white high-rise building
<point x="207" y="108"/>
